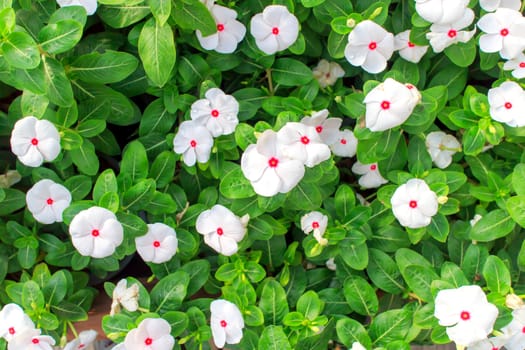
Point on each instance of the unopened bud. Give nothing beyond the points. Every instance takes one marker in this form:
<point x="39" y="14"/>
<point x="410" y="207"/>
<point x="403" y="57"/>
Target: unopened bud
<point x="513" y="301"/>
<point x="350" y="23"/>
<point x="442" y="199"/>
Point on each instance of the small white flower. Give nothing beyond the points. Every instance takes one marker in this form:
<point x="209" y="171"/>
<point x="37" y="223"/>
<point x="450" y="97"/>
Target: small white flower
<point x="517" y="65"/>
<point x="327" y="128"/>
<point x="414" y="204"/>
<point x="507" y="104"/>
<point x="158" y="245"/>
<point x="466" y="313"/>
<point x="30" y="339"/>
<point x="389" y="105"/>
<point x="222" y="229"/>
<point x="84" y="341"/>
<point x="127" y="297"/>
<point x="492" y="5"/>
<point x="345" y="144"/>
<point x="505" y="32"/>
<point x="14" y="321"/>
<point x="89" y="5"/>
<point x="230" y="32"/>
<point x="47" y="200"/>
<point x="331" y="265"/>
<point x="226" y="323"/>
<point x="327" y="73"/>
<point x="302" y="142"/>
<point x="96" y="232"/>
<point x="475" y="219"/>
<point x="357" y="346"/>
<point x="408" y="50"/>
<point x="370" y="175"/>
<point x="268" y="169"/>
<point x="442" y="36"/>
<point x="217" y="112"/>
<point x="513" y="332"/>
<point x="194" y="142"/>
<point x="35" y="141"/>
<point x="369" y="46"/>
<point x="275" y="29"/>
<point x="152" y="333"/>
<point x="316" y="222"/>
<point x="441" y="148"/>
<point x="441" y="11"/>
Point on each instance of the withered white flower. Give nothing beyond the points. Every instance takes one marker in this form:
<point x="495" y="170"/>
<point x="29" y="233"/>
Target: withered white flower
<point x="47" y="200"/>
<point x="414" y="204"/>
<point x="226" y="323"/>
<point x="158" y="245"/>
<point x="326" y="73"/>
<point x="126" y="296"/>
<point x="229" y="33"/>
<point x="275" y="29"/>
<point x="441" y="148"/>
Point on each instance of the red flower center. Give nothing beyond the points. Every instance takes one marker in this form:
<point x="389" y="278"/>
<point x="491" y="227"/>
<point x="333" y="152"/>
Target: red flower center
<point x="11" y="330"/>
<point x="343" y="141"/>
<point x="148" y="341"/>
<point x="465" y="315"/>
<point x="522" y="64"/>
<point x="452" y="33"/>
<point x="95" y="233"/>
<point x="273" y="162"/>
<point x="315" y="224"/>
<point x="81" y="346"/>
<point x="220" y="27"/>
<point x="523" y="330"/>
<point x="275" y="31"/>
<point x="504" y="32"/>
<point x="223" y="324"/>
<point x="49" y="201"/>
<point x="193" y="143"/>
<point x="35" y="341"/>
<point x="410" y="44"/>
<point x="34" y="141"/>
<point x="385" y="105"/>
<point x="215" y="113"/>
<point x="319" y="128"/>
<point x="327" y="75"/>
<point x="373" y="167"/>
<point x="409" y="86"/>
<point x="372" y="45"/>
<point x="305" y="140"/>
<point x="220" y="231"/>
<point x="412" y="204"/>
<point x="156" y="244"/>
<point x="508" y="105"/>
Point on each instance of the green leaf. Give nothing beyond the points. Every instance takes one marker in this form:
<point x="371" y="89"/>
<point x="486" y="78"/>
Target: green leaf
<point x="350" y="331"/>
<point x="32" y="297"/>
<point x="344" y="200"/>
<point x="389" y="326"/>
<point x="419" y="278"/>
<point x="91" y="127"/>
<point x="67" y="311"/>
<point x="135" y="161"/>
<point x="21" y="51"/>
<point x="453" y="77"/>
<point x="61" y="36"/>
<point x="106" y="182"/>
<point x="495" y="224"/>
<point x="178" y="322"/>
<point x="169" y="292"/>
<point x="55" y="288"/>
<point x="234" y="185"/>
<point x="336" y="44"/>
<point x="273" y="337"/>
<point x="139" y="195"/>
<point x="161" y="203"/>
<point x="290" y="72"/>
<point x="310" y="305"/>
<point x="199" y="272"/>
<point x="462" y="54"/>
<point x="157" y="51"/>
<point x="123" y="14"/>
<point x="163" y="169"/>
<point x="161" y="10"/>
<point x="497" y="275"/>
<point x="58" y="86"/>
<point x="156" y="118"/>
<point x="354" y="255"/>
<point x="473" y="141"/>
<point x="304" y="197"/>
<point x="384" y="272"/>
<point x="105" y="68"/>
<point x="439" y="227"/>
<point x="361" y="296"/>
<point x="85" y="158"/>
<point x="133" y="225"/>
<point x="13" y="201"/>
<point x="273" y="303"/>
<point x="71" y="140"/>
<point x="33" y="104"/>
<point x="7" y="21"/>
<point x="194" y="15"/>
<point x="518" y="179"/>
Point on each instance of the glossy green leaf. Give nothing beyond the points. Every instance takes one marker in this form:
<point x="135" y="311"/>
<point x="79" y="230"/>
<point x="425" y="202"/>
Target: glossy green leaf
<point x="108" y="67"/>
<point x="21" y="51"/>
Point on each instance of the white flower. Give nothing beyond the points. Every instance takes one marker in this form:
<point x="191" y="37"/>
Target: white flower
<point x="441" y="148"/>
<point x="345" y="144"/>
<point x="229" y="33"/>
<point x="268" y="169"/>
<point x="127" y="297"/>
<point x="84" y="341"/>
<point x="331" y="265"/>
<point x="89" y="5"/>
<point x="507" y="104"/>
<point x="194" y="142"/>
<point x="302" y="142"/>
<point x="505" y="32"/>
<point x="30" y="339"/>
<point x="275" y="29"/>
<point x="226" y="323"/>
<point x="475" y="219"/>
<point x="442" y="36"/>
<point x="47" y="200"/>
<point x="316" y="222"/>
<point x="441" y="11"/>
<point x="357" y="346"/>
<point x="389" y="104"/>
<point x="158" y="245"/>
<point x="414" y="204"/>
<point x="466" y="313"/>
<point x="408" y="50"/>
<point x="327" y="128"/>
<point x="96" y="232"/>
<point x="222" y="229"/>
<point x="370" y="175"/>
<point x="369" y="46"/>
<point x="492" y="5"/>
<point x="151" y="334"/>
<point x="514" y="331"/>
<point x="217" y="112"/>
<point x="35" y="141"/>
<point x="327" y="73"/>
<point x="517" y="65"/>
<point x="14" y="321"/>
<point x="494" y="343"/>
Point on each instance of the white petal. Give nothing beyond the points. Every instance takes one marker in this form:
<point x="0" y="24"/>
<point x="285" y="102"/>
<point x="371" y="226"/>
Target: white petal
<point x="209" y="42"/>
<point x="32" y="158"/>
<point x="290" y="173"/>
<point x="269" y="184"/>
<point x="375" y="62"/>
